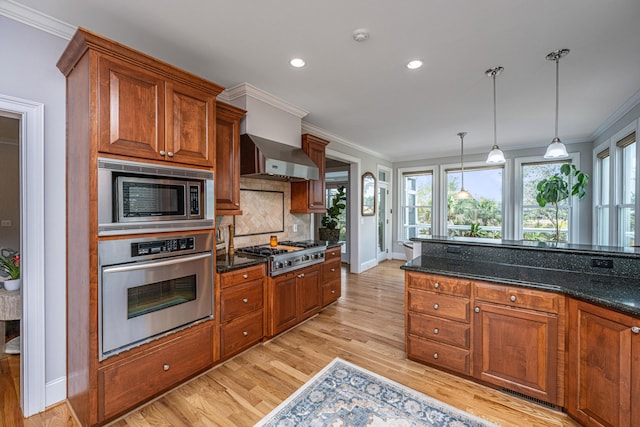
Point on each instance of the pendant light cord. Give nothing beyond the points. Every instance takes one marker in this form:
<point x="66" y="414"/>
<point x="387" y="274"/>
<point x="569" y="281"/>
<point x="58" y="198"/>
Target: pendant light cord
<point x="495" y="127"/>
<point x="557" y="91"/>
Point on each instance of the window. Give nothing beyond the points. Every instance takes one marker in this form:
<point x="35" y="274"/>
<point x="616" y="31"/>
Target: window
<point x="417" y="204"/>
<point x="626" y="226"/>
<point x="484" y="211"/>
<point x="601" y="197"/>
<point x="332" y="190"/>
<point x="539" y="224"/>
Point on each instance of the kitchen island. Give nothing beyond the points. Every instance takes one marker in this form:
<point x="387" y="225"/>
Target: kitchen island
<point x="554" y="322"/>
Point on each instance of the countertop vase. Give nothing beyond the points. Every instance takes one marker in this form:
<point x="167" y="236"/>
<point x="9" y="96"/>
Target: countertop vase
<point x="12" y="284"/>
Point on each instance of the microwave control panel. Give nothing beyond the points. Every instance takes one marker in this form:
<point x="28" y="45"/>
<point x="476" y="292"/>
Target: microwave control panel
<point x="162" y="246"/>
<point x="194" y="200"/>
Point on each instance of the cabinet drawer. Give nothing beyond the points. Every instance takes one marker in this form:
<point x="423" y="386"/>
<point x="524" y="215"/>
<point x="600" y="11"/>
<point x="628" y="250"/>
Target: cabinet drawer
<point x="331" y="254"/>
<point x="331" y="271"/>
<point x="331" y="292"/>
<point x="130" y="382"/>
<point x="517" y="297"/>
<point x="440" y="305"/>
<point x="442" y="355"/>
<point x="241" y="299"/>
<point x="241" y="334"/>
<point x="437" y="329"/>
<point x="440" y="284"/>
<point x="235" y="277"/>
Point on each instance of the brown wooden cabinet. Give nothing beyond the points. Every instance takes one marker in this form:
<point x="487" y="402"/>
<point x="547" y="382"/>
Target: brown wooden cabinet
<point x="242" y="295"/>
<point x="293" y="297"/>
<point x="130" y="381"/>
<point x="603" y="368"/>
<point x="309" y="196"/>
<point x="331" y="282"/>
<point x="518" y="342"/>
<point x="228" y="120"/>
<point x="437" y="321"/>
<point x="124" y="104"/>
<point x="147" y="115"/>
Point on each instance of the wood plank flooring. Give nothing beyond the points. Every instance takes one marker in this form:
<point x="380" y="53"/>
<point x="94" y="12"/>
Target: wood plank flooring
<point x="364" y="327"/>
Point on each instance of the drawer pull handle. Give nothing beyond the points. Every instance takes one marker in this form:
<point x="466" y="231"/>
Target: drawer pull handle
<point x="436" y="285"/>
<point x="333" y="253"/>
<point x="165" y="367"/>
<point x="170" y="154"/>
<point x="333" y="291"/>
<point x="436" y="306"/>
<point x="436" y="331"/>
<point x="237" y="203"/>
<point x="245" y="276"/>
<point x="333" y="269"/>
<point x="512" y="298"/>
<point x="301" y="275"/>
<point x="435" y="355"/>
<point x="245" y="300"/>
<point x="477" y="309"/>
<point x="635" y="329"/>
<point x="245" y="333"/>
<point x="162" y="152"/>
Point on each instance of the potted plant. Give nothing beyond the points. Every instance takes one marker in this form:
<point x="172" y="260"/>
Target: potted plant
<point x="328" y="231"/>
<point x="556" y="189"/>
<point x="11" y="268"/>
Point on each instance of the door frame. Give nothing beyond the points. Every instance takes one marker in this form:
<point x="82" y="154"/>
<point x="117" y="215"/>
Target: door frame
<point x="32" y="351"/>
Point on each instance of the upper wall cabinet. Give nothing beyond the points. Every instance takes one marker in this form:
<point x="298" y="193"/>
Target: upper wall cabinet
<point x="144" y="108"/>
<point x="228" y="159"/>
<point x="308" y="196"/>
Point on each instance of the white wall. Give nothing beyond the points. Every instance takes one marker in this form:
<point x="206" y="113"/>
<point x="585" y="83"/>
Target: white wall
<point x="29" y="72"/>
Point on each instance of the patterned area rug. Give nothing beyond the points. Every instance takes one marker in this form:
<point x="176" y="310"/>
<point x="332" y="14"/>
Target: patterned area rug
<point x="344" y="395"/>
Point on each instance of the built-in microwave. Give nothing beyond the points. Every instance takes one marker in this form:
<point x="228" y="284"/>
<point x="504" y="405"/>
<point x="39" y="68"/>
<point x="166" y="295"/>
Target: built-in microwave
<point x="142" y="197"/>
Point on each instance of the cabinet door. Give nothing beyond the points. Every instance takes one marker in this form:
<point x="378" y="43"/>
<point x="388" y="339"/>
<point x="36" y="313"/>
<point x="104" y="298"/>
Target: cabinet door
<point x="283" y="303"/>
<point x="228" y="159"/>
<point x="603" y="366"/>
<point x="516" y="349"/>
<point x="190" y="116"/>
<point x="131" y="110"/>
<point x="309" y="292"/>
<point x="308" y="196"/>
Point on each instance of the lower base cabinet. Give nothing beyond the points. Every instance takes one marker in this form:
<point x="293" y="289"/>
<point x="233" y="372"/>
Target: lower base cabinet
<point x="603" y="381"/>
<point x="131" y="381"/>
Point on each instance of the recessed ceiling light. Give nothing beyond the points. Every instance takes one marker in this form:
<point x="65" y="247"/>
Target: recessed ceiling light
<point x="412" y="65"/>
<point x="297" y="62"/>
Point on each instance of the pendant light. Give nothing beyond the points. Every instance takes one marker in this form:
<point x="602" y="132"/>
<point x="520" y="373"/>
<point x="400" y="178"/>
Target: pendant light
<point x="496" y="156"/>
<point x="462" y="194"/>
<point x="556" y="149"/>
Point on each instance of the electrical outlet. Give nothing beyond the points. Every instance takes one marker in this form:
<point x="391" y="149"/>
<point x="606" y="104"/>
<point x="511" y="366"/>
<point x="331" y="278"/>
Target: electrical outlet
<point x="5" y="223"/>
<point x="295" y="228"/>
<point x="601" y="263"/>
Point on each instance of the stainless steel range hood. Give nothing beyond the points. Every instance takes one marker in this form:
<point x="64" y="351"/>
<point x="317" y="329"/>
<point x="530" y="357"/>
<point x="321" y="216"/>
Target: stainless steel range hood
<point x="263" y="158"/>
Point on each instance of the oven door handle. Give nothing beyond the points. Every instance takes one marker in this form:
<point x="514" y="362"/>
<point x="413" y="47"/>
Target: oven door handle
<point x="139" y="266"/>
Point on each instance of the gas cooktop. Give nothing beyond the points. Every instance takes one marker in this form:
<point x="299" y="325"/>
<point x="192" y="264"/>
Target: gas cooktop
<point x="288" y="255"/>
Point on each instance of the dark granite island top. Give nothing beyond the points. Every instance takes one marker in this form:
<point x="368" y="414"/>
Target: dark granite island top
<point x="574" y="272"/>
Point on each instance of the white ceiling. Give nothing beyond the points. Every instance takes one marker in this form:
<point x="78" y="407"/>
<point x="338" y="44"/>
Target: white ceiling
<point x="363" y="92"/>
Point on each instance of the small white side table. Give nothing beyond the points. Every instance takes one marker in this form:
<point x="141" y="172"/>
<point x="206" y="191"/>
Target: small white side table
<point x="10" y="309"/>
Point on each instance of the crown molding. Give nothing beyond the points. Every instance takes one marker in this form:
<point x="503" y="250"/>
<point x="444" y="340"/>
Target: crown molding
<point x="36" y="19"/>
<point x="245" y="89"/>
<point x="630" y="104"/>
<point x="317" y="131"/>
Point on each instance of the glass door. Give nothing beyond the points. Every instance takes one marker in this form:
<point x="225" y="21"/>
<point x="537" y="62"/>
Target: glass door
<point x="384" y="221"/>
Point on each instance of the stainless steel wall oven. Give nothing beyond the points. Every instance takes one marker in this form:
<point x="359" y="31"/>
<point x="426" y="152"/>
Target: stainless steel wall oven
<point x="149" y="287"/>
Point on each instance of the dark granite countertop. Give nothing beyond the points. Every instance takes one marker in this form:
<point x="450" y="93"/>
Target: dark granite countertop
<point x="226" y="263"/>
<point x="331" y="244"/>
<point x="618" y="293"/>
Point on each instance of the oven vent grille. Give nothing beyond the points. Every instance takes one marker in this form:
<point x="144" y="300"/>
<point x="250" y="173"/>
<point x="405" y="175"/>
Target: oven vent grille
<point x="530" y="399"/>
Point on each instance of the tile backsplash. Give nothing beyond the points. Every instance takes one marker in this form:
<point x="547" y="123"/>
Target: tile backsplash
<point x="257" y="209"/>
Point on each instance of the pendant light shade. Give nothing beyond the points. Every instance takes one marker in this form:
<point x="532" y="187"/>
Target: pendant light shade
<point x="462" y="194"/>
<point x="496" y="156"/>
<point x="556" y="149"/>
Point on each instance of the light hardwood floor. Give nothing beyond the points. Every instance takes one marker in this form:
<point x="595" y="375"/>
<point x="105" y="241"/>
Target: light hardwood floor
<point x="364" y="327"/>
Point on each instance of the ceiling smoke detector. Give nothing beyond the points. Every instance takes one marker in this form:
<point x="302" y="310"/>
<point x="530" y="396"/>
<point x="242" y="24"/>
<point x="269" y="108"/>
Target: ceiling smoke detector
<point x="360" y="35"/>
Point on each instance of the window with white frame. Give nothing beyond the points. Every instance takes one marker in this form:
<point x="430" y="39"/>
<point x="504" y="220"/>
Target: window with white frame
<point x="627" y="199"/>
<point x="480" y="216"/>
<point x="417" y="204"/>
<point x="539" y="224"/>
<point x="602" y="196"/>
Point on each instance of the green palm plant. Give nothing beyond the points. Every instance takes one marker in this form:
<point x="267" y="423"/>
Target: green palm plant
<point x="555" y="189"/>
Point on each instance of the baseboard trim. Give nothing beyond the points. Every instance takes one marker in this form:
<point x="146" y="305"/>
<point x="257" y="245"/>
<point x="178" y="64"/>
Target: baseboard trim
<point x="368" y="265"/>
<point x="55" y="391"/>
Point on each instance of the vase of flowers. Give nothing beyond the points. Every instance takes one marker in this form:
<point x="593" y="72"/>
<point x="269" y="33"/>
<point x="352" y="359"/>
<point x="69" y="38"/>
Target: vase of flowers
<point x="11" y="268"/>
